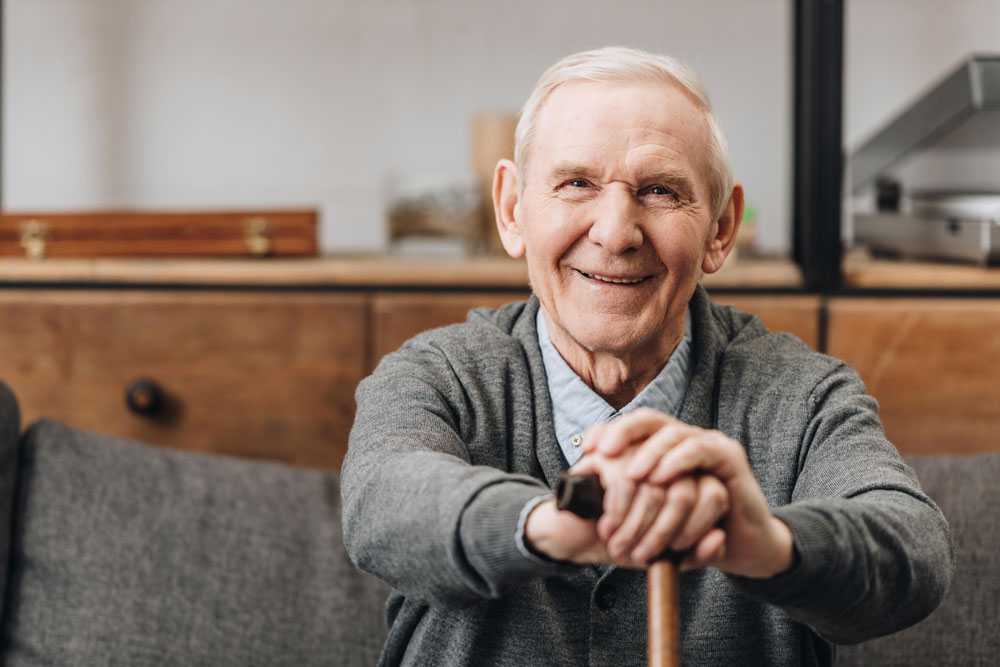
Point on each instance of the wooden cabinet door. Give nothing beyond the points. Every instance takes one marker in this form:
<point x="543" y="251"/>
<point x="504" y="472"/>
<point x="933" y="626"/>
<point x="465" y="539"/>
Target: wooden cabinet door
<point x="265" y="375"/>
<point x="797" y="314"/>
<point x="399" y="317"/>
<point x="933" y="365"/>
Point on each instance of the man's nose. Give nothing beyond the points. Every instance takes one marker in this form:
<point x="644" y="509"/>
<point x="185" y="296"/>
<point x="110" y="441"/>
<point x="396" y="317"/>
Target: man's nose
<point x="617" y="222"/>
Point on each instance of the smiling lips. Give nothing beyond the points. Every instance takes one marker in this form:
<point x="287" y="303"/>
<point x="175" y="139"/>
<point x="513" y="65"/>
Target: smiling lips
<point x="617" y="281"/>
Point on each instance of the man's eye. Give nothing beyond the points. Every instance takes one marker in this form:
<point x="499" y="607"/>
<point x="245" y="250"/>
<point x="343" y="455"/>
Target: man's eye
<point x="578" y="183"/>
<point x="659" y="190"/>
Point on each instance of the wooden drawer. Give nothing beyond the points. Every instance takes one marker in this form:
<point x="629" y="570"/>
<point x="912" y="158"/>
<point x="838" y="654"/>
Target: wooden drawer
<point x="933" y="365"/>
<point x="399" y="317"/>
<point x="263" y="375"/>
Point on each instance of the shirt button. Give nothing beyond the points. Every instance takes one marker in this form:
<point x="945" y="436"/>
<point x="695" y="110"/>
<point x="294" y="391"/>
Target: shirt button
<point x="576" y="440"/>
<point x="605" y="598"/>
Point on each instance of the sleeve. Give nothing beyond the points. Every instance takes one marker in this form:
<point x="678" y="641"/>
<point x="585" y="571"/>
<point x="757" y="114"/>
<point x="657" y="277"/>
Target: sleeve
<point x="416" y="512"/>
<point x="875" y="553"/>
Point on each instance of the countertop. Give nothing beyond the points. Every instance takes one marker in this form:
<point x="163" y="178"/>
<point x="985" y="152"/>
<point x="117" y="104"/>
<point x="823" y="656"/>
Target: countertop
<point x="348" y="271"/>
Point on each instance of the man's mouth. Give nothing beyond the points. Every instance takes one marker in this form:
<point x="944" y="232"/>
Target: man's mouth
<point x="609" y="279"/>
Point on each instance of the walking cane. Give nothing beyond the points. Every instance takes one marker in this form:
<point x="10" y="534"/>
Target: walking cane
<point x="583" y="495"/>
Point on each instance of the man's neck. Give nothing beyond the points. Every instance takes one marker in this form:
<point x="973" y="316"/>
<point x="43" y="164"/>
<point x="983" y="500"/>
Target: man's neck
<point x="616" y="378"/>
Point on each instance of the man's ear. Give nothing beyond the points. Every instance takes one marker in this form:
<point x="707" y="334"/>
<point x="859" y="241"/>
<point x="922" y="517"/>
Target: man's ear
<point x="723" y="236"/>
<point x="505" y="206"/>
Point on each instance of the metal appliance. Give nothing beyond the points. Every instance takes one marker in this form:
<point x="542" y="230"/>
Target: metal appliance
<point x="934" y="220"/>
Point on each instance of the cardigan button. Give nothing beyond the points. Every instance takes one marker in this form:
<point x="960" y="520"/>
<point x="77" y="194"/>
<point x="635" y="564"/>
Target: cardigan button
<point x="605" y="598"/>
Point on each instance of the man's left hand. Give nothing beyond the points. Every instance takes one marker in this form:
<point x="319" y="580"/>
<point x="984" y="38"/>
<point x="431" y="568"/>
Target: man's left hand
<point x="647" y="447"/>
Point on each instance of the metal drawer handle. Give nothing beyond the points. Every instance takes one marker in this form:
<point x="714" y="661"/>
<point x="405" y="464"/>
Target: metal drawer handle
<point x="257" y="235"/>
<point x="34" y="238"/>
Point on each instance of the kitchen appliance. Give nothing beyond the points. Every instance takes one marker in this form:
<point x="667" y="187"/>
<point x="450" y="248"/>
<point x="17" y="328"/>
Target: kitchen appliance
<point x="915" y="213"/>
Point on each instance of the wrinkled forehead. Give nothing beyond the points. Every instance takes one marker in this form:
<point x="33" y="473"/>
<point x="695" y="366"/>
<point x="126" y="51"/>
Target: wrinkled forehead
<point x="605" y="121"/>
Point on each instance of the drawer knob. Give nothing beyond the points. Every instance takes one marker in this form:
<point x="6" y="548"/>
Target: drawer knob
<point x="144" y="397"/>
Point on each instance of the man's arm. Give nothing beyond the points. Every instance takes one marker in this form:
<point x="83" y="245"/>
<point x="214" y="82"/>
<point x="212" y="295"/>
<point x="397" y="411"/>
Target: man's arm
<point x="417" y="513"/>
<point x="876" y="552"/>
<point x="873" y="552"/>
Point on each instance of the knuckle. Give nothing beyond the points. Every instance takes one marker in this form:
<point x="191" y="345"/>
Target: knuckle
<point x="719" y="505"/>
<point x="682" y="496"/>
<point x="656" y="494"/>
<point x="714" y="492"/>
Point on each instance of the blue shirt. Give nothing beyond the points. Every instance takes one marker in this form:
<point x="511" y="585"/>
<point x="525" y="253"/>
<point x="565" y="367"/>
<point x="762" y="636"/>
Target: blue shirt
<point x="575" y="406"/>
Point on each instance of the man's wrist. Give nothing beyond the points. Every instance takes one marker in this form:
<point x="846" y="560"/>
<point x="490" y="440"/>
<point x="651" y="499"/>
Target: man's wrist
<point x="537" y="537"/>
<point x="783" y="557"/>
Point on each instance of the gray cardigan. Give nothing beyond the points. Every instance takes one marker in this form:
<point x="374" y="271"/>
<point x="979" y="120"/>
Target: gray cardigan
<point x="454" y="434"/>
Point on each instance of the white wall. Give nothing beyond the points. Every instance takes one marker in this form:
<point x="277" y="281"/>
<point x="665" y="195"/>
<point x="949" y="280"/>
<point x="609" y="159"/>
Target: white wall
<point x="227" y="103"/>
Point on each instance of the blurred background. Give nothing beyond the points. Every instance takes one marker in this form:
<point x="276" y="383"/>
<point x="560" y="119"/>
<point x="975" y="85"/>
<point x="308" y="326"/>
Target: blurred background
<point x="344" y="105"/>
<point x="337" y="153"/>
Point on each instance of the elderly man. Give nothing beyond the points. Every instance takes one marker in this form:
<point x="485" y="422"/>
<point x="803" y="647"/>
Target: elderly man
<point x="761" y="460"/>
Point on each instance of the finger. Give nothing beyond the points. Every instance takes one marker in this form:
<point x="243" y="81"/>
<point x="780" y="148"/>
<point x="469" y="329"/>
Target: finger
<point x="591" y="436"/>
<point x="646" y="506"/>
<point x="710" y="550"/>
<point x="711" y="504"/>
<point x="618" y="495"/>
<point x="652" y="450"/>
<point x="680" y="498"/>
<point x="710" y="451"/>
<point x="587" y="465"/>
<point x="617" y="435"/>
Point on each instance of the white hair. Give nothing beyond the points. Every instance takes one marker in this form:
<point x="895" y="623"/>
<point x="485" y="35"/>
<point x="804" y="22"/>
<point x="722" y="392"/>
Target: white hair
<point x="615" y="64"/>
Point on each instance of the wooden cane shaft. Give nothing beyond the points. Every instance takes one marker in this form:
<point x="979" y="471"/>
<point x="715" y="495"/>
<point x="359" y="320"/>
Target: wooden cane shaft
<point x="663" y="614"/>
<point x="584" y="496"/>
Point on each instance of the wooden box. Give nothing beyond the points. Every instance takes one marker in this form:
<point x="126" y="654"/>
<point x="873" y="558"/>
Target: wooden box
<point x="159" y="234"/>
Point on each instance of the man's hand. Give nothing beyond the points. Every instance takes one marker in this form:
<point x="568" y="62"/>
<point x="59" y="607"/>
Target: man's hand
<point x="654" y="449"/>
<point x="563" y="535"/>
<point x="642" y="520"/>
<point x="652" y="517"/>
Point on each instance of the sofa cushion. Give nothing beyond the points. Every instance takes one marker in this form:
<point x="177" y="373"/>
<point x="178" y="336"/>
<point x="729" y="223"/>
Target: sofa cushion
<point x="127" y="554"/>
<point x="10" y="425"/>
<point x="963" y="630"/>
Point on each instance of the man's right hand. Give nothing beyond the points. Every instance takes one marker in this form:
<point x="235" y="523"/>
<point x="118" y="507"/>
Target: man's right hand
<point x="563" y="535"/>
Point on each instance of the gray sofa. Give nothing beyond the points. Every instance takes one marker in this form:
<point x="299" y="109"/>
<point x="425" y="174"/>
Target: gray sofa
<point x="119" y="553"/>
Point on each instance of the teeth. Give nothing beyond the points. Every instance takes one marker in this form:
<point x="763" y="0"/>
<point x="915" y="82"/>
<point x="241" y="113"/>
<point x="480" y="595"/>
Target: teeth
<point x="625" y="281"/>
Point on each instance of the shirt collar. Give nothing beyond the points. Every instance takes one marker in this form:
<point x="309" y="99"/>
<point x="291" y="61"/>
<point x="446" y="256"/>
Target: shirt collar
<point x="575" y="406"/>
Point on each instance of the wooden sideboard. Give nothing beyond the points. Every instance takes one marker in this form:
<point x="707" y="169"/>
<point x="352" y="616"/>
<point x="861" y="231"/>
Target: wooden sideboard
<point x="261" y="358"/>
<point x="932" y="363"/>
<point x="267" y="375"/>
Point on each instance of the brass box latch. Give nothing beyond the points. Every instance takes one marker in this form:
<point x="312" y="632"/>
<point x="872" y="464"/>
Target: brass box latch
<point x="257" y="235"/>
<point x="34" y="238"/>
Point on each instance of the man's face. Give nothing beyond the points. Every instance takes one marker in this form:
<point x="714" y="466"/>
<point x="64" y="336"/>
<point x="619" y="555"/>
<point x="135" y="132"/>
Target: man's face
<point x="615" y="216"/>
